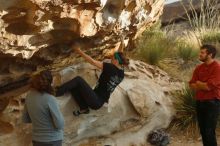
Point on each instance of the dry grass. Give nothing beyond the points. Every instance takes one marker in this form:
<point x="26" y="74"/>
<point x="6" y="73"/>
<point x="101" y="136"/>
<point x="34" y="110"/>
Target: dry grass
<point x="177" y="69"/>
<point x="186" y="52"/>
<point x="206" y="18"/>
<point x="153" y="46"/>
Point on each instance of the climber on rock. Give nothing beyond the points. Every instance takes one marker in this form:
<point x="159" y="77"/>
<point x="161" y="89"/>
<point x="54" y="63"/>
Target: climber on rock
<point x="86" y="97"/>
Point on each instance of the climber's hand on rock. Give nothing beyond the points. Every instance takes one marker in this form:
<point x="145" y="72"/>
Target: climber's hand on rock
<point x="76" y="47"/>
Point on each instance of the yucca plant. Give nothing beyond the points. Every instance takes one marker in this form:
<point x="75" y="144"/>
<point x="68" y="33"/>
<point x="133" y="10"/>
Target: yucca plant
<point x="185" y="118"/>
<point x="186" y="51"/>
<point x="153" y="46"/>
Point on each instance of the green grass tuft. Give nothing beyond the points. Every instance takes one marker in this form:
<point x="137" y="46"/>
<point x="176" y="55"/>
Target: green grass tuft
<point x="185" y="118"/>
<point x="153" y="46"/>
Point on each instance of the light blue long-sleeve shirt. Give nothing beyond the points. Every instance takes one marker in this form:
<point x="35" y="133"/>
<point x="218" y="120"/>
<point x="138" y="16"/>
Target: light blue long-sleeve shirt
<point x="41" y="109"/>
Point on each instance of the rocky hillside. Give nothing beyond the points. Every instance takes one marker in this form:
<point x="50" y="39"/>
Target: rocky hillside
<point x="180" y="11"/>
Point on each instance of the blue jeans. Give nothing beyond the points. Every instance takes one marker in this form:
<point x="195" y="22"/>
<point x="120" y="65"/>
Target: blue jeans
<point x="207" y="115"/>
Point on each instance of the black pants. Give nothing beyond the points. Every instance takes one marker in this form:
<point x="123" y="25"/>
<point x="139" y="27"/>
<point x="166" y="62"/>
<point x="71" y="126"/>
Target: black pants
<point x="52" y="143"/>
<point x="82" y="93"/>
<point x="207" y="114"/>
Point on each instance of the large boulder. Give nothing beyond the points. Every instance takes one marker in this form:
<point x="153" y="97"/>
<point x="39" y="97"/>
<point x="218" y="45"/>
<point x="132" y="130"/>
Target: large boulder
<point x="35" y="34"/>
<point x="39" y="32"/>
<point x="141" y="103"/>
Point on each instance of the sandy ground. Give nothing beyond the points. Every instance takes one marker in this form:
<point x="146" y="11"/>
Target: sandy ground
<point x="178" y="142"/>
<point x="178" y="139"/>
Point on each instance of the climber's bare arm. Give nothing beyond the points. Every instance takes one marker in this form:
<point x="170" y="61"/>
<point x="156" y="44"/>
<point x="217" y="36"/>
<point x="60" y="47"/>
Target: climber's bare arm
<point x="122" y="45"/>
<point x="92" y="61"/>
